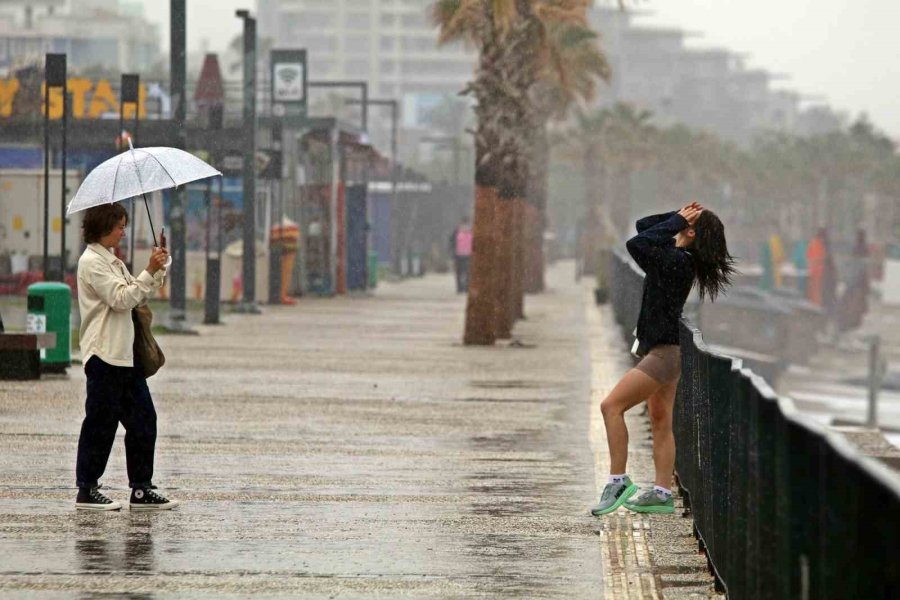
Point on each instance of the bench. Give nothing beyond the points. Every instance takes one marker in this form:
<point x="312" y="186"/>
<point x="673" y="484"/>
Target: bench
<point x="20" y="354"/>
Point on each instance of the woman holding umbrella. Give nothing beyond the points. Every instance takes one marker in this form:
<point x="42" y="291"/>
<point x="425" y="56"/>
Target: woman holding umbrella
<point x="117" y="390"/>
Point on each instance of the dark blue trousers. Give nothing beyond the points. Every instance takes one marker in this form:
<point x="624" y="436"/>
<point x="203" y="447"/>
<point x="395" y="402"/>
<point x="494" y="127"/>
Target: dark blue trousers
<point x="116" y="395"/>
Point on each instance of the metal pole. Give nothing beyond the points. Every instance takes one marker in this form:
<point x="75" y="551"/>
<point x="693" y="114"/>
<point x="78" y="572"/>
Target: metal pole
<point x="178" y="68"/>
<point x="874" y="380"/>
<point x="332" y="209"/>
<point x="275" y="218"/>
<point x="62" y="194"/>
<point x="248" y="263"/>
<point x="46" y="176"/>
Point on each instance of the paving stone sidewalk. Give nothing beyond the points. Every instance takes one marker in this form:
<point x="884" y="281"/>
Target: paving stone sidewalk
<point x="350" y="447"/>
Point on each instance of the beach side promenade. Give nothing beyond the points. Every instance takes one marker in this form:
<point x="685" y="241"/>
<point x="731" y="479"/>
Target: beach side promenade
<point x="351" y="447"/>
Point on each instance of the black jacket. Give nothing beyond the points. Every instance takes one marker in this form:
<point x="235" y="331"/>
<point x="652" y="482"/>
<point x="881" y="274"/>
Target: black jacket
<point x="669" y="277"/>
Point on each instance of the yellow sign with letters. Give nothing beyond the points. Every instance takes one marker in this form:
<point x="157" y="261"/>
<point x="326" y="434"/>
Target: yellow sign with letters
<point x="89" y="99"/>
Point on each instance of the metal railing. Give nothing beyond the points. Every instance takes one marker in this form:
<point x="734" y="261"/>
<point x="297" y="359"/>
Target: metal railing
<point x="782" y="507"/>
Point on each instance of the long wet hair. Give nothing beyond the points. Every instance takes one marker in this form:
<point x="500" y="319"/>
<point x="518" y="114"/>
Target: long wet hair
<point x="713" y="264"/>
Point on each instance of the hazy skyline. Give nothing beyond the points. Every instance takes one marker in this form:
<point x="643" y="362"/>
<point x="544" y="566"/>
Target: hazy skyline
<point x="840" y="51"/>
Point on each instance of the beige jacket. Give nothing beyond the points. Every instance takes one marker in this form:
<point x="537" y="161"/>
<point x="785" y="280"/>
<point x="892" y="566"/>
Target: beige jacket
<point x="106" y="294"/>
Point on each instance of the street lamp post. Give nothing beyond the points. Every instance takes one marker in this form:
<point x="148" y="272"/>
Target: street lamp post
<point x="128" y="94"/>
<point x="248" y="263"/>
<point x="178" y="70"/>
<point x="54" y="76"/>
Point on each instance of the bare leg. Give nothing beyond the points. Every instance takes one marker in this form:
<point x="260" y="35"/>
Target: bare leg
<point x="635" y="387"/>
<point x="661" y="404"/>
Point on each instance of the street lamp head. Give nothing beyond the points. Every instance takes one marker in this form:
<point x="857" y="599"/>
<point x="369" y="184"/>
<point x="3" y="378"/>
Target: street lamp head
<point x="242" y="13"/>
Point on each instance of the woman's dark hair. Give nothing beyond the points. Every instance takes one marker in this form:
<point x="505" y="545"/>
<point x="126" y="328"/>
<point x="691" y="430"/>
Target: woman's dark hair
<point x="100" y="220"/>
<point x="713" y="264"/>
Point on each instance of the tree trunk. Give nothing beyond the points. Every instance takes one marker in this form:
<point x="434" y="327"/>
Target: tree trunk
<point x="519" y="260"/>
<point x="534" y="248"/>
<point x="538" y="184"/>
<point x="502" y="268"/>
<point x="480" y="305"/>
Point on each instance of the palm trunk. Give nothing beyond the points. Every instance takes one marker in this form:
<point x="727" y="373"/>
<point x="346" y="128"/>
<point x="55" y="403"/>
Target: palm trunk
<point x="537" y="200"/>
<point x="503" y="267"/>
<point x="480" y="305"/>
<point x="533" y="230"/>
<point x="519" y="259"/>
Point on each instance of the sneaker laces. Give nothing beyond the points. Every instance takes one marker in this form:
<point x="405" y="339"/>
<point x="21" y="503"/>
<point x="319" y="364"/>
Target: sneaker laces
<point x="648" y="495"/>
<point x="151" y="495"/>
<point x="97" y="496"/>
<point x="609" y="490"/>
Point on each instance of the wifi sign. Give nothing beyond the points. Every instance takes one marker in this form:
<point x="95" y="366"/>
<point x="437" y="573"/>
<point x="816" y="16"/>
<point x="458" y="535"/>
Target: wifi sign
<point x="288" y="84"/>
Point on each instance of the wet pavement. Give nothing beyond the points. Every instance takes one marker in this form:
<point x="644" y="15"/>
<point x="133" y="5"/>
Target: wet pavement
<point x="341" y="448"/>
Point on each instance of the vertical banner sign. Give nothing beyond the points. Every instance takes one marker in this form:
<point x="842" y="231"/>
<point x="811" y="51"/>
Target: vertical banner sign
<point x="289" y="83"/>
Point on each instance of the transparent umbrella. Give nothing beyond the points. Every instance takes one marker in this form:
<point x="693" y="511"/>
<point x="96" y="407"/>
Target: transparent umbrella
<point x="136" y="172"/>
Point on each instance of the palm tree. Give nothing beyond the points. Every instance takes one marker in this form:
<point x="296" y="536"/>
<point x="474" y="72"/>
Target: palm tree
<point x="514" y="41"/>
<point x="575" y="64"/>
<point x="488" y="25"/>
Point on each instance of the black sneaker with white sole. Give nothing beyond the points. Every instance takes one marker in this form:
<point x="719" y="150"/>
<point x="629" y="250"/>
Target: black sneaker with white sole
<point x="146" y="498"/>
<point x="93" y="499"/>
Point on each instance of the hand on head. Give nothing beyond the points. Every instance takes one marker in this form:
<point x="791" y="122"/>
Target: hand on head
<point x="691" y="212"/>
<point x="158" y="258"/>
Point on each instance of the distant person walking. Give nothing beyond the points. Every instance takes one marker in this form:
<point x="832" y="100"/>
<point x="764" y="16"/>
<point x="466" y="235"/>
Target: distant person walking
<point x="801" y="268"/>
<point x="461" y="243"/>
<point x="854" y="302"/>
<point x="676" y="251"/>
<point x="822" y="282"/>
<point x="117" y="390"/>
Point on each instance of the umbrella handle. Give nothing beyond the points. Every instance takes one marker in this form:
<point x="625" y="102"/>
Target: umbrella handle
<point x="150" y="220"/>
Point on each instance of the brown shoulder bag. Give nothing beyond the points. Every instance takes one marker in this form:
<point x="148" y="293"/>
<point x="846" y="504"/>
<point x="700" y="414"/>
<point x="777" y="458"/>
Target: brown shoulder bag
<point x="146" y="350"/>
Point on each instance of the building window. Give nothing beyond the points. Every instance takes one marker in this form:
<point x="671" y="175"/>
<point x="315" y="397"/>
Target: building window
<point x="387" y="67"/>
<point x="358" y="21"/>
<point x="357" y="68"/>
<point x="386" y="43"/>
<point x="387" y="20"/>
<point x="357" y="44"/>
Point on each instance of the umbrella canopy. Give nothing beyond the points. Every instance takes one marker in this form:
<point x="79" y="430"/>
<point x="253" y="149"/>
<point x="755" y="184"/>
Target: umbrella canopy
<point x="136" y="172"/>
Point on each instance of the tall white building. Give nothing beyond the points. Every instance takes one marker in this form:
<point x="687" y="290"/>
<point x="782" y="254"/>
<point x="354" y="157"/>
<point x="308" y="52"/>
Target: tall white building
<point x="103" y="34"/>
<point x="391" y="44"/>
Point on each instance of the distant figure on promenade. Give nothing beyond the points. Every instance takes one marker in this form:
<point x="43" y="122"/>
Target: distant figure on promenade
<point x="798" y="257"/>
<point x="676" y="251"/>
<point x="117" y="390"/>
<point x="771" y="260"/>
<point x="854" y="303"/>
<point x="822" y="284"/>
<point x="461" y="244"/>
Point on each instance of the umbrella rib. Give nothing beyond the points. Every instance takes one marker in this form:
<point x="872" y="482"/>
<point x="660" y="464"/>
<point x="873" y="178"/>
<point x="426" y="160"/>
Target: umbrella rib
<point x="163" y="168"/>
<point x="112" y="197"/>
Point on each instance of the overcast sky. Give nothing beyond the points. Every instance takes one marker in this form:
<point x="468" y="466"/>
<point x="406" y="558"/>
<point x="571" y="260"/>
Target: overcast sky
<point x="844" y="50"/>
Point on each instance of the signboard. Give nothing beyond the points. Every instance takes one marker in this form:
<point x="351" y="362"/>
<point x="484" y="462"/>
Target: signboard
<point x="289" y="83"/>
<point x="89" y="99"/>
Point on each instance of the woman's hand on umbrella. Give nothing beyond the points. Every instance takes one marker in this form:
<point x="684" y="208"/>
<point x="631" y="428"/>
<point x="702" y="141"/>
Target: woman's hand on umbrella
<point x="158" y="258"/>
<point x="691" y="212"/>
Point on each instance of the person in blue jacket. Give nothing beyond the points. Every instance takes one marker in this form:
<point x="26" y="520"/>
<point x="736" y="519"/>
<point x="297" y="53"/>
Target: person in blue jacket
<point x="676" y="250"/>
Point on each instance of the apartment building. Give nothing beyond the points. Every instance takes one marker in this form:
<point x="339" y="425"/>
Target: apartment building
<point x="103" y="34"/>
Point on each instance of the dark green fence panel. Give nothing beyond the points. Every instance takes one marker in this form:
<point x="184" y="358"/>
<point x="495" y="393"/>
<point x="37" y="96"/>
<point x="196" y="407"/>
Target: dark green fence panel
<point x="782" y="507"/>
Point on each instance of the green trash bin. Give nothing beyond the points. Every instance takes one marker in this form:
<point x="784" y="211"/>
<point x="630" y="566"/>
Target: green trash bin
<point x="373" y="269"/>
<point x="50" y="311"/>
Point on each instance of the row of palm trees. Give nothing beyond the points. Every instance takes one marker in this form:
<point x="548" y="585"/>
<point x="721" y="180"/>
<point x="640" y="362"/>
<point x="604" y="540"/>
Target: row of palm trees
<point x="536" y="58"/>
<point x="781" y="182"/>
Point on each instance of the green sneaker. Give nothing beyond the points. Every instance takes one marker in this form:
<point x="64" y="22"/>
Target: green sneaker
<point x="649" y="502"/>
<point x="614" y="495"/>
